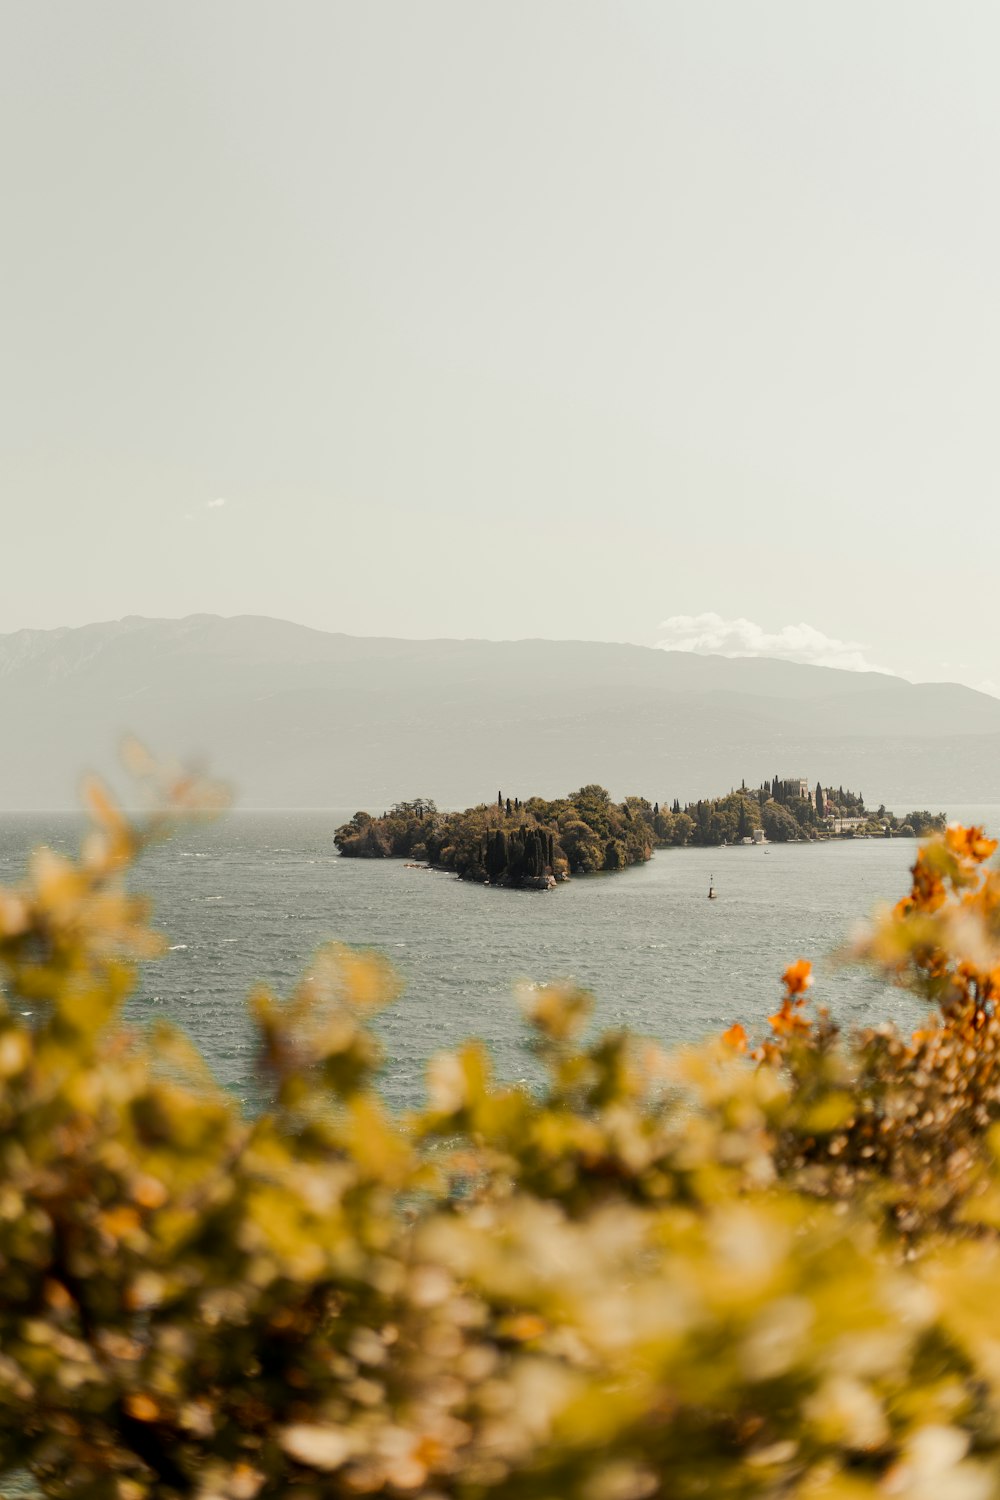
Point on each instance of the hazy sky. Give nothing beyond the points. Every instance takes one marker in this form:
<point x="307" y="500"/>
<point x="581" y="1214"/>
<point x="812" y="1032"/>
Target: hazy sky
<point x="506" y="319"/>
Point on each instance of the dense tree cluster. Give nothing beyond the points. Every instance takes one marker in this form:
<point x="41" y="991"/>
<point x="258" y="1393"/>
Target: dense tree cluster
<point x="916" y="824"/>
<point x="757" y="1271"/>
<point x="510" y="842"/>
<point x="777" y="808"/>
<point x="716" y="820"/>
<point x="391" y="836"/>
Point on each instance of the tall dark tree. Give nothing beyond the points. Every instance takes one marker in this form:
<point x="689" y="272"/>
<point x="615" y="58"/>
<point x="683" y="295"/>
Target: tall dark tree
<point x="496" y="853"/>
<point x="819" y="800"/>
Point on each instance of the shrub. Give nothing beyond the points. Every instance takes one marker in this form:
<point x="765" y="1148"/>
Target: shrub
<point x="778" y="823"/>
<point x="729" y="1271"/>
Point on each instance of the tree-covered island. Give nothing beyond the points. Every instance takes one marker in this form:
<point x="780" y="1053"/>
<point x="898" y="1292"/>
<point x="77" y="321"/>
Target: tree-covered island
<point x="535" y="843"/>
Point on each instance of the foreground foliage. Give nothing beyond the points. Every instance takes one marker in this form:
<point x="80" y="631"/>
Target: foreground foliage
<point x="741" y="1270"/>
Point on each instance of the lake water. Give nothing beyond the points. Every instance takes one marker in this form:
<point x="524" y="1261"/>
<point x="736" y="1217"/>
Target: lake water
<point x="249" y="898"/>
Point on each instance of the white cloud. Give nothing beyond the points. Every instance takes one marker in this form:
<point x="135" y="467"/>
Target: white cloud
<point x="214" y="504"/>
<point x="711" y="634"/>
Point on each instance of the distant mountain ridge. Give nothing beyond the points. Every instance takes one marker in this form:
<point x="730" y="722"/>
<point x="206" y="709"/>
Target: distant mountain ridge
<point x="297" y="717"/>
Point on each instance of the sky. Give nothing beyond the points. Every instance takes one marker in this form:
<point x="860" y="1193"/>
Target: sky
<point x="654" y="322"/>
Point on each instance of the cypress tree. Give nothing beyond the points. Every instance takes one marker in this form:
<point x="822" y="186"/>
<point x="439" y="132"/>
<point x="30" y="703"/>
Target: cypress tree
<point x="509" y="808"/>
<point x="500" y="800"/>
<point x="496" y="853"/>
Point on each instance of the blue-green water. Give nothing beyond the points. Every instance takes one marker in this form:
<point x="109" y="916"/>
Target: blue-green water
<point x="249" y="899"/>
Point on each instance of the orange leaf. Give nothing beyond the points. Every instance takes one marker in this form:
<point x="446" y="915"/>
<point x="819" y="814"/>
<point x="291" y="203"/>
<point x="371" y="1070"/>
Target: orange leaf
<point x="798" y="976"/>
<point x="969" y="843"/>
<point x="735" y="1037"/>
<point x="142" y="1407"/>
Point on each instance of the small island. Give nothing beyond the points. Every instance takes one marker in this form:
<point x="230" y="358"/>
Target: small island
<point x="532" y="845"/>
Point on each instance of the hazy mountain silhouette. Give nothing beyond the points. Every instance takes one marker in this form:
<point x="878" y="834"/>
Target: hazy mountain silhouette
<point x="302" y="718"/>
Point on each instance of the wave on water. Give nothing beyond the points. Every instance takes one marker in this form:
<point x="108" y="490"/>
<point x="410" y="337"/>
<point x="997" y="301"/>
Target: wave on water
<point x="657" y="956"/>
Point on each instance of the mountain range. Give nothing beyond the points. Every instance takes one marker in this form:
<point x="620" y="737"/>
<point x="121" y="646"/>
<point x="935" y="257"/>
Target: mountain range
<point x="295" y="717"/>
